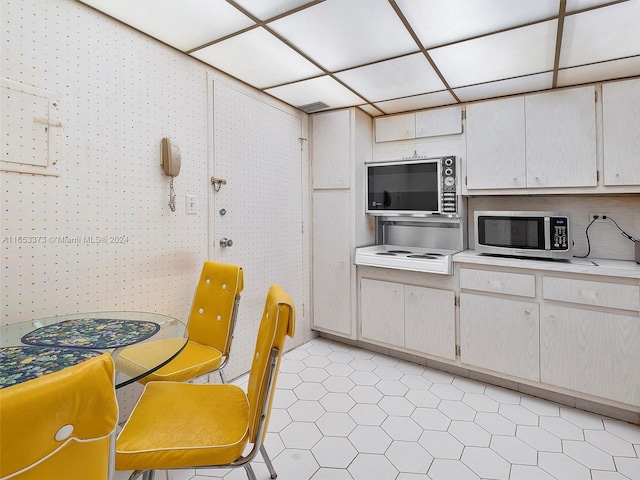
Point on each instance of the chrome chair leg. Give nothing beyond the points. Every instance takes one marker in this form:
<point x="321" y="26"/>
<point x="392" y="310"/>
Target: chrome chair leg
<point x="149" y="475"/>
<point x="223" y="377"/>
<point x="267" y="461"/>
<point x="250" y="473"/>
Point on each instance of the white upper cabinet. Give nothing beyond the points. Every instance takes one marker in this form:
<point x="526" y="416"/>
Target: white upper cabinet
<point x="496" y="144"/>
<point x="546" y="140"/>
<point x="441" y="121"/>
<point x="331" y="150"/>
<point x="430" y="123"/>
<point x="397" y="127"/>
<point x="561" y="138"/>
<point x="621" y="132"/>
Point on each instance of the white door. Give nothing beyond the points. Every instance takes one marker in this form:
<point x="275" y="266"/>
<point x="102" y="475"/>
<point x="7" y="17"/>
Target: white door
<point x="257" y="152"/>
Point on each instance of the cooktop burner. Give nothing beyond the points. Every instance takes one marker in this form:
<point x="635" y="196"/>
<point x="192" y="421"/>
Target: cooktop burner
<point x="420" y="259"/>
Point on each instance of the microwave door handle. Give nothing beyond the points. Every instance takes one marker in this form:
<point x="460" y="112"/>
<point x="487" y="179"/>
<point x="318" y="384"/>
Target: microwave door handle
<point x="547" y="233"/>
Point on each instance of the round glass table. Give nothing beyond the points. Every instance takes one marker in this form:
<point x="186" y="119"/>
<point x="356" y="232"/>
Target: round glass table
<point x="139" y="343"/>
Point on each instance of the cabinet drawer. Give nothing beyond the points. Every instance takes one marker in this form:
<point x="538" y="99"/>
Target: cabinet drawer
<point x="613" y="295"/>
<point x="520" y="284"/>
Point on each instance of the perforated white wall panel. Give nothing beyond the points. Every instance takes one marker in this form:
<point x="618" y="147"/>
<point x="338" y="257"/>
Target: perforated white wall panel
<point x="120" y="94"/>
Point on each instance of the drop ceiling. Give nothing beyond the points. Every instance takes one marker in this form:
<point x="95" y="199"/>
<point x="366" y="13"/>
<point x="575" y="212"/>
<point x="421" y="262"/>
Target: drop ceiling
<point x="392" y="56"/>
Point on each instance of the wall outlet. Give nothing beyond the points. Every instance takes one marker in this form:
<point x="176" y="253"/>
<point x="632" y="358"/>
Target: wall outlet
<point x="191" y="204"/>
<point x="602" y="217"/>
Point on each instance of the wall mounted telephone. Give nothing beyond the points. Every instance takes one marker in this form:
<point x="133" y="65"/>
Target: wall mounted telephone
<point x="171" y="158"/>
<point x="171" y="161"/>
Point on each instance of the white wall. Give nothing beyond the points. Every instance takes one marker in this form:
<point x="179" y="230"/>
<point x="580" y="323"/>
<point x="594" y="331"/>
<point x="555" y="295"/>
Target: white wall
<point x="120" y="93"/>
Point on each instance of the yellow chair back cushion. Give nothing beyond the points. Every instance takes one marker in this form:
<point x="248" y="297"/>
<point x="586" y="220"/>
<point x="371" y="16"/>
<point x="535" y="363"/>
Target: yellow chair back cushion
<point x="278" y="321"/>
<point x="213" y="304"/>
<point x="58" y="426"/>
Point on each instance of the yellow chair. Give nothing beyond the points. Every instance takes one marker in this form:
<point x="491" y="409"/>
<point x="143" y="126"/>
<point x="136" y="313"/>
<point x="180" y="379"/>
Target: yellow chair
<point x="60" y="426"/>
<point x="183" y="425"/>
<point x="210" y="328"/>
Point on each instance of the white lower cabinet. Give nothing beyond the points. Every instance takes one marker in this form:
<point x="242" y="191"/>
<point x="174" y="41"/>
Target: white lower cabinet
<point x="382" y="307"/>
<point x="332" y="269"/>
<point x="500" y="335"/>
<point x="429" y="321"/>
<point x="592" y="352"/>
<point x="416" y="318"/>
<point x="574" y="333"/>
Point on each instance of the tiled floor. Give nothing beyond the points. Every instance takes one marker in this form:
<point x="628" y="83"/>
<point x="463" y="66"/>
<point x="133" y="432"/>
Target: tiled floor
<point x="341" y="412"/>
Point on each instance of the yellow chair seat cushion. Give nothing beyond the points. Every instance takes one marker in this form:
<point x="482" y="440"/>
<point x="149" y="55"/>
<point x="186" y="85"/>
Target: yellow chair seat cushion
<point x="194" y="360"/>
<point x="184" y="425"/>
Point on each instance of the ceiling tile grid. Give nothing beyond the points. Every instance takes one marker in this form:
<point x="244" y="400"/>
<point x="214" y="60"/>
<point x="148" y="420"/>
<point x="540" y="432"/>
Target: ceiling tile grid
<point x="393" y="56"/>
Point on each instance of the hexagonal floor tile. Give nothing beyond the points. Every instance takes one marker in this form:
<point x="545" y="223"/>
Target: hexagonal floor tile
<point x="334" y="452"/>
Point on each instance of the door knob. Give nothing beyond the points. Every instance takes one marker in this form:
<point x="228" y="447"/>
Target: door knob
<point x="226" y="242"/>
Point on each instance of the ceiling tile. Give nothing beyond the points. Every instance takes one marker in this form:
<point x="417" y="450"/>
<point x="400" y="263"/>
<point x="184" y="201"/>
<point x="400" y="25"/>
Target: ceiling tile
<point x="183" y="25"/>
<point x="258" y="58"/>
<point x="606" y="33"/>
<point x="596" y="72"/>
<point x="575" y="5"/>
<point x="322" y="89"/>
<point x="438" y="22"/>
<point x="418" y="102"/>
<point x="395" y="78"/>
<point x="340" y="34"/>
<point x="513" y="53"/>
<point x="512" y="86"/>
<point x="264" y="10"/>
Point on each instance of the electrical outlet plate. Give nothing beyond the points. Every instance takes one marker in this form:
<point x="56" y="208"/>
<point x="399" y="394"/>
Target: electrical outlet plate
<point x="600" y="216"/>
<point x="191" y="204"/>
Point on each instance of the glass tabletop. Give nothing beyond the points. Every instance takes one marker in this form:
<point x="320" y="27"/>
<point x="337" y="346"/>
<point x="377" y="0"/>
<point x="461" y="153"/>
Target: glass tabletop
<point x="139" y="342"/>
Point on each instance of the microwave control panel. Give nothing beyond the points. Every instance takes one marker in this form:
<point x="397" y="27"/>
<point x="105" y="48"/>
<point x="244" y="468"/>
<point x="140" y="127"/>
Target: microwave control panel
<point x="559" y="233"/>
<point x="449" y="182"/>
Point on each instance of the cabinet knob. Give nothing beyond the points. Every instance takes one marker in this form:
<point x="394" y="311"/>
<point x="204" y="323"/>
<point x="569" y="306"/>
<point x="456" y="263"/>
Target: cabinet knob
<point x="226" y="242"/>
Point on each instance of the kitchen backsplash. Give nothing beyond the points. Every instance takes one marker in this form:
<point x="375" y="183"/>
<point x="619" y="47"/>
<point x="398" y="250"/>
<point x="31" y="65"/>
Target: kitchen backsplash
<point x="605" y="238"/>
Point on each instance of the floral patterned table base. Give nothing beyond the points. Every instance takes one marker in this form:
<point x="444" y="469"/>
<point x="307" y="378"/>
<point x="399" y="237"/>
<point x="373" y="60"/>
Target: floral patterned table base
<point x="97" y="333"/>
<point x="21" y="363"/>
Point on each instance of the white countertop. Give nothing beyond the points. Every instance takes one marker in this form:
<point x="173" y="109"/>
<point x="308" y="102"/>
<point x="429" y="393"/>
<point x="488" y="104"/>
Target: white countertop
<point x="589" y="266"/>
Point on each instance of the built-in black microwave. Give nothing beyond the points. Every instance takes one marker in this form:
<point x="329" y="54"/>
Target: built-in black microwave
<point x="416" y="187"/>
<point x="523" y="234"/>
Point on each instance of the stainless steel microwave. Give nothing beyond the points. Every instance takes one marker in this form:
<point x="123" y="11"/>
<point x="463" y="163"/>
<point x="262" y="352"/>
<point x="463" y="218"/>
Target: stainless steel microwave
<point x="417" y="187"/>
<point x="523" y="234"/>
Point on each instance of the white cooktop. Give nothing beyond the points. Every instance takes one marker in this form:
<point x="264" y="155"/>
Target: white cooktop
<point x="417" y="259"/>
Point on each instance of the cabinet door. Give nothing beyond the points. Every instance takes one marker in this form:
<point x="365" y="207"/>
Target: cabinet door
<point x="382" y="311"/>
<point x="591" y="352"/>
<point x="496" y="144"/>
<point x="441" y="121"/>
<point x="331" y="149"/>
<point x="397" y="127"/>
<point x="561" y="138"/>
<point x="500" y="335"/>
<point x="621" y="132"/>
<point x="332" y="261"/>
<point x="429" y="321"/>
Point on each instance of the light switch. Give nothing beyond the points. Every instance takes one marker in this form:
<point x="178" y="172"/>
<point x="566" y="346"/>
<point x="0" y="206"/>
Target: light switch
<point x="191" y="204"/>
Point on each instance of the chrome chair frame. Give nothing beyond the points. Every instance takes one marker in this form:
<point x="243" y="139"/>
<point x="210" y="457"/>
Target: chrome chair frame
<point x="220" y="369"/>
<point x="258" y="446"/>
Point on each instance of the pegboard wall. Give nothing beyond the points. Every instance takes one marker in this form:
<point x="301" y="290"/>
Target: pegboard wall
<point x="101" y="236"/>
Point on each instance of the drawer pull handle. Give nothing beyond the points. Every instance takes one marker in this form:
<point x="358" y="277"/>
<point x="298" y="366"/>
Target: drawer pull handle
<point x="591" y="296"/>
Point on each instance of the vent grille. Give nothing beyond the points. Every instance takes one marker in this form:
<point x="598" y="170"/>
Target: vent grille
<point x="313" y="107"/>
